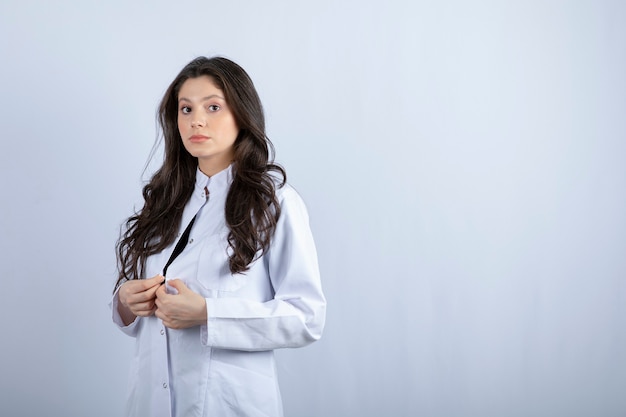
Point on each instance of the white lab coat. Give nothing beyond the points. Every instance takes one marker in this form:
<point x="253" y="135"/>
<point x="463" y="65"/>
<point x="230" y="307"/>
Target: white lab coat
<point x="227" y="368"/>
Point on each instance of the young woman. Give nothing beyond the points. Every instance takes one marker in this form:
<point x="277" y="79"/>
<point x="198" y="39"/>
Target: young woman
<point x="219" y="267"/>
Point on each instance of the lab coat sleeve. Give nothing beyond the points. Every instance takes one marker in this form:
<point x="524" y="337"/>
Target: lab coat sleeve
<point x="295" y="316"/>
<point x="132" y="328"/>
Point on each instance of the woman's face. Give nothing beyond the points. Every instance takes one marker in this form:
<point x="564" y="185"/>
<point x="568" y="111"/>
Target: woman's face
<point x="206" y="124"/>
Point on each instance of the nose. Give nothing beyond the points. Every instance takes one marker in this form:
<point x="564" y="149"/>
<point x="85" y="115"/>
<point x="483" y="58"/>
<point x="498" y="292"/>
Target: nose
<point x="197" y="121"/>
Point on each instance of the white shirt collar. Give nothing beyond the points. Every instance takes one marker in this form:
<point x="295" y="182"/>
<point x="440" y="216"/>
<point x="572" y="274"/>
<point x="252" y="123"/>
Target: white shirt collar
<point x="219" y="183"/>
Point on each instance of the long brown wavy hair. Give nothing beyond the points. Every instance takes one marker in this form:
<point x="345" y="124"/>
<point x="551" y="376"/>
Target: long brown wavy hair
<point x="251" y="210"/>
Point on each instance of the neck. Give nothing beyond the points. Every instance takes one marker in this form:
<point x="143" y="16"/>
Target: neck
<point x="210" y="169"/>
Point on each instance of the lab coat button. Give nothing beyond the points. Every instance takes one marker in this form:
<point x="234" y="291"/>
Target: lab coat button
<point x="162" y="331"/>
<point x="165" y="385"/>
<point x="190" y="241"/>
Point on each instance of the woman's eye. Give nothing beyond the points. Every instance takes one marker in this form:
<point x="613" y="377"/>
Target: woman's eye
<point x="185" y="110"/>
<point x="214" y="107"/>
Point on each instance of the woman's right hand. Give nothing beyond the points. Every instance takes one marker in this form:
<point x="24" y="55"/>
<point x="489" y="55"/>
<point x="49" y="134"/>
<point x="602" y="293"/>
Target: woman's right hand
<point x="137" y="296"/>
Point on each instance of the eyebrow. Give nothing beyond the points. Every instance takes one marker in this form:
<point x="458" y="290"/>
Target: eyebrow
<point x="203" y="98"/>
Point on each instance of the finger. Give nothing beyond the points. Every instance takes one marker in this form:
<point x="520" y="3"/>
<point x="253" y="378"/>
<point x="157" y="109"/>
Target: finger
<point x="178" y="284"/>
<point x="161" y="315"/>
<point x="140" y="297"/>
<point x="160" y="302"/>
<point x="145" y="284"/>
<point x="153" y="282"/>
<point x="143" y="310"/>
<point x="145" y="313"/>
<point x="136" y="286"/>
<point x="152" y="290"/>
<point x="157" y="278"/>
<point x="160" y="292"/>
<point x="143" y="306"/>
<point x="144" y="295"/>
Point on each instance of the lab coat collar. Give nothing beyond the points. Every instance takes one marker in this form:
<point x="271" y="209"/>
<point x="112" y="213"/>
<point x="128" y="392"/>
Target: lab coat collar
<point x="218" y="183"/>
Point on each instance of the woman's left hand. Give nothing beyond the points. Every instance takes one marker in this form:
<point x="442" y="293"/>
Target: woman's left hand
<point x="182" y="310"/>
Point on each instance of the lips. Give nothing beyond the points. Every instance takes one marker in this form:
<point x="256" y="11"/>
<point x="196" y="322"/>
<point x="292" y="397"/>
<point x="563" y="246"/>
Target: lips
<point x="198" y="138"/>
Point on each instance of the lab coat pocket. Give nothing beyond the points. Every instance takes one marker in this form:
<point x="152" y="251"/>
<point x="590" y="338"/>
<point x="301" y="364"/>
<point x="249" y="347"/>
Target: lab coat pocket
<point x="240" y="380"/>
<point x="213" y="271"/>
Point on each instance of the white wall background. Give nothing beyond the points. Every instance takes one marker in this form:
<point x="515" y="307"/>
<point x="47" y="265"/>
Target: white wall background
<point x="463" y="163"/>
